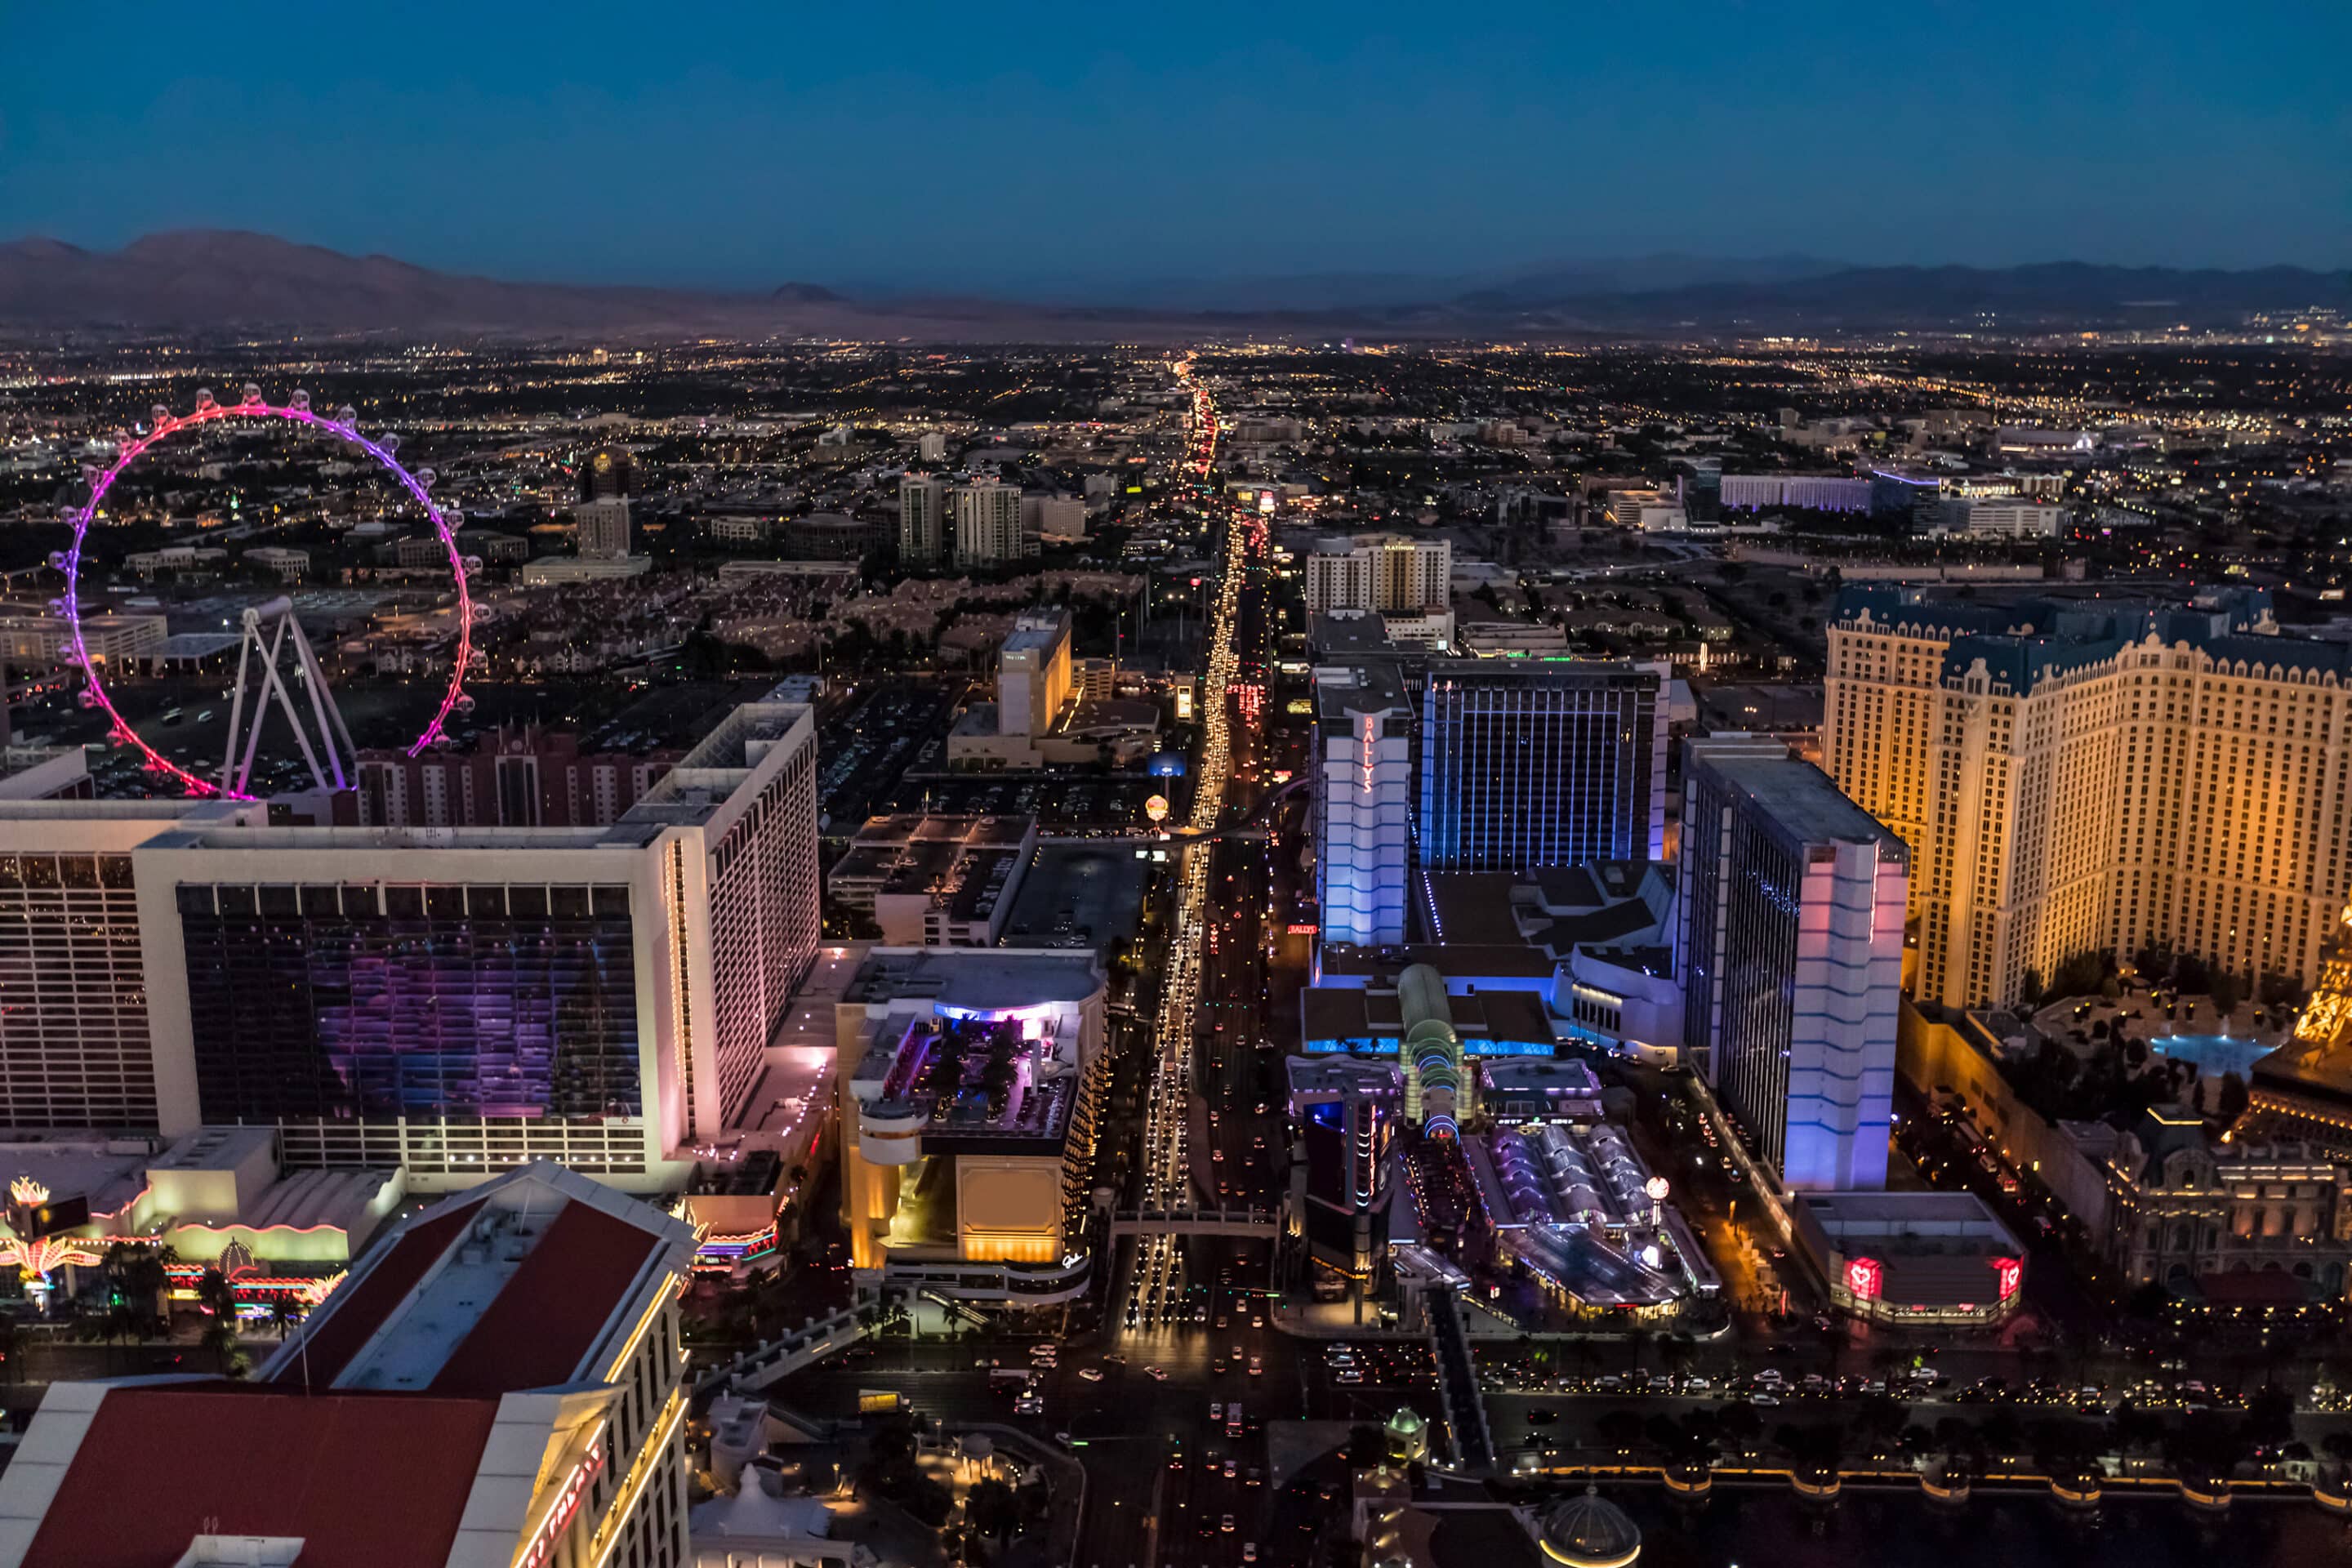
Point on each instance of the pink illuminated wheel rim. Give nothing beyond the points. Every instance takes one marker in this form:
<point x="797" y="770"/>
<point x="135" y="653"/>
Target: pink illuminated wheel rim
<point x="343" y="428"/>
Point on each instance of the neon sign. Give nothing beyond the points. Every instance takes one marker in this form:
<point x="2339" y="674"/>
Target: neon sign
<point x="2011" y="1271"/>
<point x="1865" y="1277"/>
<point x="1036" y="1013"/>
<point x="567" y="1505"/>
<point x="723" y="1252"/>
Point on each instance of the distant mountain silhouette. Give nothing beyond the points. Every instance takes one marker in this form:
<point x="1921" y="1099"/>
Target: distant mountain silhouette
<point x="201" y="278"/>
<point x="2063" y="293"/>
<point x="204" y="280"/>
<point x="1638" y="275"/>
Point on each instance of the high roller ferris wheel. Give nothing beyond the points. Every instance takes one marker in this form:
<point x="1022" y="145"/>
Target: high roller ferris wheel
<point x="271" y="631"/>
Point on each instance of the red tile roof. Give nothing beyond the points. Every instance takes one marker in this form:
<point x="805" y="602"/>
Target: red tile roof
<point x="348" y="1318"/>
<point x="534" y="1332"/>
<point x="367" y="1480"/>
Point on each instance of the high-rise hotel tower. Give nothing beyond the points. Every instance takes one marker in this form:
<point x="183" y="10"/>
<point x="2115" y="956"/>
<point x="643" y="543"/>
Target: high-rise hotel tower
<point x="2085" y="775"/>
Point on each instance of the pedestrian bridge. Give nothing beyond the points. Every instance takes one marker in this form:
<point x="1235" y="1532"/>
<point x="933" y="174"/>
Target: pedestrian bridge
<point x="1195" y="1222"/>
<point x="1457" y="1383"/>
<point x="772" y="1360"/>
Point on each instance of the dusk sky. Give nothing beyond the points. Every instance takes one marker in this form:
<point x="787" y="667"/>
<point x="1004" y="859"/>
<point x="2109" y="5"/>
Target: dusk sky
<point x="1068" y="148"/>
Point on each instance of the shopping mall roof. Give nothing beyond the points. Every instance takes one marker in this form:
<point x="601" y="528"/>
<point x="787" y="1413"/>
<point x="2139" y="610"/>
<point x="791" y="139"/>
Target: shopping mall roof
<point x="975" y="980"/>
<point x="128" y="1475"/>
<point x="1371" y="1018"/>
<point x="1325" y="1078"/>
<point x="111" y="1179"/>
<point x="510" y="1287"/>
<point x="1078" y="892"/>
<point x="195" y="645"/>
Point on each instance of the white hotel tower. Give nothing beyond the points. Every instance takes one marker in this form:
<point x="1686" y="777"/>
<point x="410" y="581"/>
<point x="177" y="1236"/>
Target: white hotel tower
<point x="1363" y="804"/>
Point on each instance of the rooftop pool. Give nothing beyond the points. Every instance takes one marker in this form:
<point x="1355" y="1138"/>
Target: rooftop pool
<point x="2211" y="1054"/>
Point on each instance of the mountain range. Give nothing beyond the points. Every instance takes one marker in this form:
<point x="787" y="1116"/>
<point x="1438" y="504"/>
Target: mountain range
<point x="196" y="280"/>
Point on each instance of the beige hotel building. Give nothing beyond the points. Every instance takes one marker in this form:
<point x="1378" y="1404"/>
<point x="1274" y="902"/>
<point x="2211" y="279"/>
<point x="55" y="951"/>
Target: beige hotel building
<point x="2085" y="775"/>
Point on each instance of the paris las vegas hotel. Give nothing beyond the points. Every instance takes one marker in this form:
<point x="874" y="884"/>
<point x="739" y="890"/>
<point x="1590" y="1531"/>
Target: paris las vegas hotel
<point x="2096" y="774"/>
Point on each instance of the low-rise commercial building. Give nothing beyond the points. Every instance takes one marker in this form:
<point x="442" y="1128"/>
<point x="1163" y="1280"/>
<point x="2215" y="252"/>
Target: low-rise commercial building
<point x="1040" y="717"/>
<point x="39" y="641"/>
<point x="286" y="564"/>
<point x="936" y="880"/>
<point x="1912" y="1257"/>
<point x="1574" y="1204"/>
<point x="1809" y="492"/>
<point x="1647" y="511"/>
<point x="555" y="571"/>
<point x="968" y="1085"/>
<point x="2003" y="517"/>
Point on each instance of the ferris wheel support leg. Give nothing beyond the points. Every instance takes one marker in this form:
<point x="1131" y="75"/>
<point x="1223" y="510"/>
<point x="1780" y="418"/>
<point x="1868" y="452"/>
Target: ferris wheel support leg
<point x="261" y="689"/>
<point x="293" y="715"/>
<point x="229" y="783"/>
<point x="323" y="704"/>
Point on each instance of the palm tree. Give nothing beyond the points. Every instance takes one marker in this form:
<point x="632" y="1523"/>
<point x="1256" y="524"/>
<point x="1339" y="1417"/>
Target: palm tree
<point x="220" y="1338"/>
<point x="991" y="1508"/>
<point x="217" y="1299"/>
<point x="137" y="1276"/>
<point x="216" y="1296"/>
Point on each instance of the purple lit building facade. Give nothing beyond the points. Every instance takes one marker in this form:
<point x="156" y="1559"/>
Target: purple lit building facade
<point x="457" y="1000"/>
